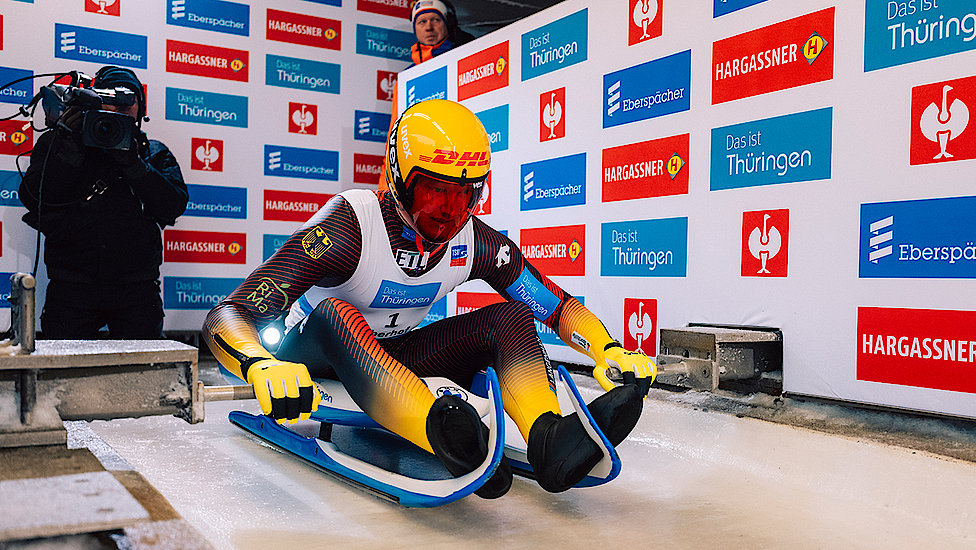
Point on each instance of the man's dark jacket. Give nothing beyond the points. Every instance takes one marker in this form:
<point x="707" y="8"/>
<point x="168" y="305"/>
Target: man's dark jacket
<point x="102" y="211"/>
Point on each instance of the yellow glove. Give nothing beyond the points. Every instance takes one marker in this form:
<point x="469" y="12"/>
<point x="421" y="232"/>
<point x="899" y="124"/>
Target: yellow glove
<point x="283" y="389"/>
<point x="634" y="365"/>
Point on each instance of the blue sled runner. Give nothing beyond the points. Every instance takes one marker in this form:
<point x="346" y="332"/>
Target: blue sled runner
<point x="338" y="408"/>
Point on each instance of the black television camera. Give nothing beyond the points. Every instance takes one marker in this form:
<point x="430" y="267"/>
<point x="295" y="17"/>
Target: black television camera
<point x="99" y="128"/>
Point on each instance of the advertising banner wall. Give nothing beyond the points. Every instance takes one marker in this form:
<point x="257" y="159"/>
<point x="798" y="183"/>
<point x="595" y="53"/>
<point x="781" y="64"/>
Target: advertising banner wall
<point x="801" y="165"/>
<point x="260" y="101"/>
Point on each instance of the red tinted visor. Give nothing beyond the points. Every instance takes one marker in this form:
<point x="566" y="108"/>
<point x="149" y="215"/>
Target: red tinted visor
<point x="441" y="208"/>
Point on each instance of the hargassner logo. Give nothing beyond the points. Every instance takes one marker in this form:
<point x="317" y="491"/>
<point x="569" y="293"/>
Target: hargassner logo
<point x="206" y="107"/>
<point x="16" y="136"/>
<point x="553" y="183"/>
<point x="555" y="250"/>
<point x="301" y="74"/>
<point x="370" y="126"/>
<point x="645" y="20"/>
<point x="387" y="43"/>
<point x="483" y="72"/>
<point x="366" y="168"/>
<point x="386" y="84"/>
<point x="395" y="295"/>
<point x="202" y="293"/>
<point x="295" y="162"/>
<point x="924" y="348"/>
<point x="395" y="8"/>
<point x="781" y="149"/>
<point x="10" y="188"/>
<point x="291" y="206"/>
<point x="722" y="7"/>
<point x="555" y="45"/>
<point x="792" y="53"/>
<point x="303" y="118"/>
<point x="656" y="88"/>
<point x="210" y="15"/>
<point x="204" y="247"/>
<point x="640" y="322"/>
<point x="104" y="7"/>
<point x="203" y="60"/>
<point x="552" y="120"/>
<point x="21" y="92"/>
<point x="432" y="85"/>
<point x="644" y="248"/>
<point x="298" y="28"/>
<point x="212" y="201"/>
<point x="207" y="154"/>
<point x="941" y="126"/>
<point x="100" y="46"/>
<point x="765" y="243"/>
<point x="654" y="168"/>
<point x="495" y="121"/>
<point x="921" y="239"/>
<point x="905" y="31"/>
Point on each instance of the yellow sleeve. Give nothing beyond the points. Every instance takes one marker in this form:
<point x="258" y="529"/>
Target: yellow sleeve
<point x="583" y="331"/>
<point x="233" y="339"/>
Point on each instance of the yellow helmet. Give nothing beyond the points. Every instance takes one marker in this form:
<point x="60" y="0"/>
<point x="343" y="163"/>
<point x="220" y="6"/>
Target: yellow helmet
<point x="438" y="159"/>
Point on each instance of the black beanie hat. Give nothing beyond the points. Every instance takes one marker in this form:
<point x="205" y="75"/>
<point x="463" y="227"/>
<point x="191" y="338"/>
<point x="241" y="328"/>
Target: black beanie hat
<point x="111" y="77"/>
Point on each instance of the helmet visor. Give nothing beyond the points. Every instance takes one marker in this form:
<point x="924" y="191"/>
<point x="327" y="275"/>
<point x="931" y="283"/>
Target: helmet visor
<point x="440" y="208"/>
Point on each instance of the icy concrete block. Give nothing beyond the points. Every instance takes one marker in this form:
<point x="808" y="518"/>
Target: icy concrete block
<point x="65" y="505"/>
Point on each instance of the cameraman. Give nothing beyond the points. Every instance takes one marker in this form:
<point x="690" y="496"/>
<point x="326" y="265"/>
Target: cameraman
<point x="102" y="211"/>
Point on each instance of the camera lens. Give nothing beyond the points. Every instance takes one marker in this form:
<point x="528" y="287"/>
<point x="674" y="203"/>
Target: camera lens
<point x="107" y="131"/>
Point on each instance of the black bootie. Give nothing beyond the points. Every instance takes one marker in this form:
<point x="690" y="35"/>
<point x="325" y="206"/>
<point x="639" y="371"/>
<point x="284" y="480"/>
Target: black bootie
<point x="460" y="442"/>
<point x="561" y="452"/>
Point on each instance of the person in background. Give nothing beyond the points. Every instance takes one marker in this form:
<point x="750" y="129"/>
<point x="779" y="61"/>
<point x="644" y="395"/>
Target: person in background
<point x="101" y="212"/>
<point x="435" y="26"/>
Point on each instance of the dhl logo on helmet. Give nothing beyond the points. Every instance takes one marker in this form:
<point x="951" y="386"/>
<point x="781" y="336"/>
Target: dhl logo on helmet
<point x="448" y="157"/>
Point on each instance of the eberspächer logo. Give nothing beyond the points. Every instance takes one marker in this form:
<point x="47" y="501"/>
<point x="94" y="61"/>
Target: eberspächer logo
<point x="210" y="15"/>
<point x="19" y="93"/>
<point x="904" y="31"/>
<point x="792" y="53"/>
<point x="432" y="85"/>
<point x="644" y="248"/>
<point x="100" y="46"/>
<point x="656" y="88"/>
<point x="370" y="126"/>
<point x="213" y="201"/>
<point x="941" y="121"/>
<point x="783" y="149"/>
<point x="553" y="183"/>
<point x="921" y="239"/>
<point x="296" y="162"/>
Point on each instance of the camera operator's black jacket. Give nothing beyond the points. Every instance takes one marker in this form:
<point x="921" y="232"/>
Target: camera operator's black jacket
<point x="102" y="211"/>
